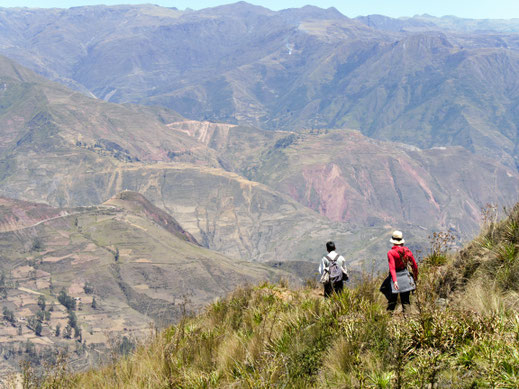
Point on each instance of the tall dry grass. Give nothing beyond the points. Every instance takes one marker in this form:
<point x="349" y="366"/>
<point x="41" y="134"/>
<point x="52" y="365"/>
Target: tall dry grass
<point x="463" y="331"/>
<point x="269" y="336"/>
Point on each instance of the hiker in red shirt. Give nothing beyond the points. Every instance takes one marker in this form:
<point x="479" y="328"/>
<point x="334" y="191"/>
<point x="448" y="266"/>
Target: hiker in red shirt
<point x="399" y="282"/>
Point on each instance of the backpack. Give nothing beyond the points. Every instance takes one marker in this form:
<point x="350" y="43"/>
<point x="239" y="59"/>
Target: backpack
<point x="406" y="261"/>
<point x="336" y="274"/>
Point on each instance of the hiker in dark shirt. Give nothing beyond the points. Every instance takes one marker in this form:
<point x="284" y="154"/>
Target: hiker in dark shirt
<point x="333" y="271"/>
<point x="400" y="281"/>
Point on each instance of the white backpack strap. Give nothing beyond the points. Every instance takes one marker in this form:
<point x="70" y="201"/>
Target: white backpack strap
<point x="331" y="260"/>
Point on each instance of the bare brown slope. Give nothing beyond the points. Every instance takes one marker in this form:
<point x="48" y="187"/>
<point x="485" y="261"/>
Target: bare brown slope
<point x="17" y="214"/>
<point x="351" y="178"/>
<point x="138" y="204"/>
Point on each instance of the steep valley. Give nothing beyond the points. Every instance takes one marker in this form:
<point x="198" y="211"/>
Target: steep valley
<point x="459" y="331"/>
<point x="351" y="178"/>
<point x="300" y="190"/>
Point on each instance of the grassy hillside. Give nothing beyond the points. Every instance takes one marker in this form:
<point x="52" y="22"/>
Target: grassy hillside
<point x="463" y="331"/>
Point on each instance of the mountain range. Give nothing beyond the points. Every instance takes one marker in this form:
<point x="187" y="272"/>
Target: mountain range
<point x="452" y="23"/>
<point x="240" y="190"/>
<point x="67" y="149"/>
<point x="298" y="68"/>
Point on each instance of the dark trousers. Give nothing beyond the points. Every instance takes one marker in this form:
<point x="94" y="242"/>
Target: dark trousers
<point x="330" y="288"/>
<point x="392" y="299"/>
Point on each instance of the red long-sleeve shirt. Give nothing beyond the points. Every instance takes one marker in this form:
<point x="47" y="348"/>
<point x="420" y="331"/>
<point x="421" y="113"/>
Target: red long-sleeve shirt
<point x="396" y="257"/>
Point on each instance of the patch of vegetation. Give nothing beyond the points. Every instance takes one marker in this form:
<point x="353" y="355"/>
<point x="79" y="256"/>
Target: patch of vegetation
<point x="37" y="245"/>
<point x="38" y="328"/>
<point x="3" y="285"/>
<point x="110" y="148"/>
<point x="283" y="143"/>
<point x="440" y="243"/>
<point x="175" y="154"/>
<point x="8" y="315"/>
<point x="41" y="302"/>
<point x="125" y="346"/>
<point x="88" y="288"/>
<point x="67" y="301"/>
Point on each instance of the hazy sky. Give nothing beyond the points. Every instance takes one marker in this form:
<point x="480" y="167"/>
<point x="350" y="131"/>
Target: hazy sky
<point x="479" y="9"/>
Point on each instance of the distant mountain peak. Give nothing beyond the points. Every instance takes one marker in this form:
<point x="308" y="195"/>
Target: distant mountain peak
<point x="314" y="12"/>
<point x="238" y="8"/>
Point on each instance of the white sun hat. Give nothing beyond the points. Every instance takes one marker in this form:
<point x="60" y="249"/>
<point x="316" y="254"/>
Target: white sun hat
<point x="397" y="237"/>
